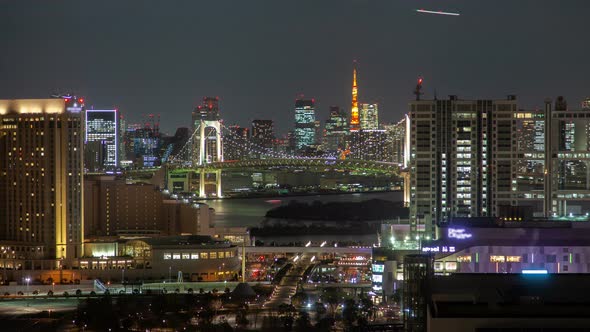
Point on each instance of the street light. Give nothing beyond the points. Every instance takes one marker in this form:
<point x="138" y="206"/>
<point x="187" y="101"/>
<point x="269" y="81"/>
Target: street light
<point x="27" y="280"/>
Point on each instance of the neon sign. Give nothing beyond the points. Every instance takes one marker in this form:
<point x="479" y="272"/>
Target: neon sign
<point x="460" y="234"/>
<point x="438" y="249"/>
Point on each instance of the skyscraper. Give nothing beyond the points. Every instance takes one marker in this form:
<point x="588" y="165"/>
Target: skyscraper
<point x="304" y="123"/>
<point x="369" y="116"/>
<point x="235" y="149"/>
<point x="41" y="143"/>
<point x="101" y="142"/>
<point x="368" y="145"/>
<point x="463" y="157"/>
<point x="335" y="130"/>
<point x="354" y="112"/>
<point x="263" y="133"/>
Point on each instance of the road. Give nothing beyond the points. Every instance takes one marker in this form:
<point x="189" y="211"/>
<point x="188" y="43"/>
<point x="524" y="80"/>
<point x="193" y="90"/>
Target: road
<point x="288" y="286"/>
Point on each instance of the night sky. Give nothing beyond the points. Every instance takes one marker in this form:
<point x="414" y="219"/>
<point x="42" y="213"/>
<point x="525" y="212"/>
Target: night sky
<point x="258" y="56"/>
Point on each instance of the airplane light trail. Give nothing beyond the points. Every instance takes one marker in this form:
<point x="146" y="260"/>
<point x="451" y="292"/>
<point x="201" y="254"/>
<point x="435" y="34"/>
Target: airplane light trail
<point x="436" y="12"/>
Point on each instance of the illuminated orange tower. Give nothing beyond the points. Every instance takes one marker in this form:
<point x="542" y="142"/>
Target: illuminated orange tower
<point x="354" y="113"/>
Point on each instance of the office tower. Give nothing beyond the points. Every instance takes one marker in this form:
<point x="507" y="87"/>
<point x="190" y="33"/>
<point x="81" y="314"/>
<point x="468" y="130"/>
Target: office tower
<point x="263" y="133"/>
<point x="41" y="143"/>
<point x="354" y="112"/>
<point x="146" y="142"/>
<point x="236" y="148"/>
<point x="463" y="159"/>
<point x="206" y="117"/>
<point x="304" y="123"/>
<point x="123" y="162"/>
<point x="318" y="133"/>
<point x="369" y="116"/>
<point x="335" y="130"/>
<point x="368" y="145"/>
<point x="398" y="142"/>
<point x="102" y="140"/>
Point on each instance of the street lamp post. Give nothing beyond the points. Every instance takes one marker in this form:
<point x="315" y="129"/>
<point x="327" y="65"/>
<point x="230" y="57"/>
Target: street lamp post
<point x="27" y="280"/>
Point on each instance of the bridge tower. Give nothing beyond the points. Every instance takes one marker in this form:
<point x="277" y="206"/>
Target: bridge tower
<point x="209" y="175"/>
<point x="206" y="116"/>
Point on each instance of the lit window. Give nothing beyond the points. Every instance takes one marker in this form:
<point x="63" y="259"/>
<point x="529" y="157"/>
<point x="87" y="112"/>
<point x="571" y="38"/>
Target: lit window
<point x="175" y="256"/>
<point x="167" y="256"/>
<point x="194" y="256"/>
<point x="204" y="255"/>
<point x="451" y="266"/>
<point x="513" y="259"/>
<point x="186" y="256"/>
<point x="497" y="259"/>
<point x="213" y="255"/>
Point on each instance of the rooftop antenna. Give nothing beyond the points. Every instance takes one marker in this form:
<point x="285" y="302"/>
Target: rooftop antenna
<point x="418" y="92"/>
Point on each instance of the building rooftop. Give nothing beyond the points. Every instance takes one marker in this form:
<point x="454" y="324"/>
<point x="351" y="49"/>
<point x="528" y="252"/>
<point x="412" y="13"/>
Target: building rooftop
<point x="510" y="295"/>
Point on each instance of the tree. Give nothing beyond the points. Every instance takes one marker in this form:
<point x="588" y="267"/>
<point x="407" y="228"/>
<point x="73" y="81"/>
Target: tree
<point x="367" y="310"/>
<point x="303" y="322"/>
<point x="332" y="297"/>
<point x="242" y="318"/>
<point x="350" y="312"/>
<point x="287" y="313"/>
<point x="299" y="299"/>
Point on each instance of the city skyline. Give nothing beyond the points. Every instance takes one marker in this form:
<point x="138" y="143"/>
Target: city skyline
<point x="171" y="78"/>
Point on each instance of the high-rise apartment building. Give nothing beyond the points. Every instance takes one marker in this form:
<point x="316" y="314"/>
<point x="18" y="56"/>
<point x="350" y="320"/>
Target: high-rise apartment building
<point x="41" y="143"/>
<point x="463" y="159"/>
<point x="236" y="147"/>
<point x="567" y="178"/>
<point x="304" y="123"/>
<point x="368" y="145"/>
<point x="102" y="140"/>
<point x="335" y="130"/>
<point x="369" y="116"/>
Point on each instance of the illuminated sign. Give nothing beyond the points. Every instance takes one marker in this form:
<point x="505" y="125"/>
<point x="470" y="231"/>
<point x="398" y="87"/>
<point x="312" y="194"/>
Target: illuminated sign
<point x="377" y="278"/>
<point x="438" y="249"/>
<point x="454" y="233"/>
<point x="534" y="271"/>
<point x="378" y="268"/>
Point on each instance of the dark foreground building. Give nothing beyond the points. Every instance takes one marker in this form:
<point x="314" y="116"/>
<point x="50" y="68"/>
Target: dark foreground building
<point x="509" y="302"/>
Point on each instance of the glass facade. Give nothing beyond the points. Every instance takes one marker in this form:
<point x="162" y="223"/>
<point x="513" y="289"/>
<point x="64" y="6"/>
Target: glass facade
<point x="102" y="149"/>
<point x="304" y="123"/>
